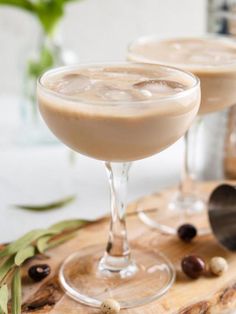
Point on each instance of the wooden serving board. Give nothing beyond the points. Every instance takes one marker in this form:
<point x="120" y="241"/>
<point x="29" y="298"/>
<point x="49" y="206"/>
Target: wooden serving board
<point x="203" y="296"/>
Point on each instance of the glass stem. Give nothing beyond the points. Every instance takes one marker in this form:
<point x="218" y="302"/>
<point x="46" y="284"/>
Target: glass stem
<point x="117" y="254"/>
<point x="187" y="185"/>
<point x="186" y="179"/>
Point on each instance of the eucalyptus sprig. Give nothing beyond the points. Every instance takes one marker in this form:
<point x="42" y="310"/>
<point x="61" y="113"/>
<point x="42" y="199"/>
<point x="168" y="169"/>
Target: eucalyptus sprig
<point x="15" y="254"/>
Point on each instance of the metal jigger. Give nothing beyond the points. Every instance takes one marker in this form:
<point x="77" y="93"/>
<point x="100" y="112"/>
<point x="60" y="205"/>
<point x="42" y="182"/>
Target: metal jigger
<point x="222" y="215"/>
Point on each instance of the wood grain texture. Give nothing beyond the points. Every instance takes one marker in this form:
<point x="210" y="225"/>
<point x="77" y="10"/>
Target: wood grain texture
<point x="207" y="295"/>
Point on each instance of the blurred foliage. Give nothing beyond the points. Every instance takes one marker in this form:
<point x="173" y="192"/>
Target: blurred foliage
<point x="46" y="60"/>
<point x="48" y="12"/>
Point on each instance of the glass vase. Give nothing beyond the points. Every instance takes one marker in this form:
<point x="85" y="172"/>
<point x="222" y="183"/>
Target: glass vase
<point x="47" y="53"/>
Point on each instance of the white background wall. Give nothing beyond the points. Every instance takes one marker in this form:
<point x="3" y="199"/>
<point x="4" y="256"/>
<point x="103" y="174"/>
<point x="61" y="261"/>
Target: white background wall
<point x="96" y="30"/>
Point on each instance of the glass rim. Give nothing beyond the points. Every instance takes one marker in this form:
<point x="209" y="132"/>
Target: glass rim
<point x="188" y="67"/>
<point x="109" y="103"/>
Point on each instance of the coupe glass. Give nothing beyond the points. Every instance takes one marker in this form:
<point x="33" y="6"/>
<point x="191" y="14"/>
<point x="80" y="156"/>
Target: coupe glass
<point x="118" y="127"/>
<point x="217" y="93"/>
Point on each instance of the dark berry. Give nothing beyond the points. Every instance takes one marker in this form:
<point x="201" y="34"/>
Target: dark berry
<point x="193" y="266"/>
<point x="187" y="232"/>
<point x="39" y="272"/>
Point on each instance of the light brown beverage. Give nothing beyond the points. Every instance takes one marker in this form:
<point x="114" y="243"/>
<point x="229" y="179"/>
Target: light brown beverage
<point x="212" y="59"/>
<point x="118" y="112"/>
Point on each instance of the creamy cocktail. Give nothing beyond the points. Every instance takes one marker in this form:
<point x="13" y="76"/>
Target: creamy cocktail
<point x="118" y="113"/>
<point x="213" y="60"/>
<point x="110" y="113"/>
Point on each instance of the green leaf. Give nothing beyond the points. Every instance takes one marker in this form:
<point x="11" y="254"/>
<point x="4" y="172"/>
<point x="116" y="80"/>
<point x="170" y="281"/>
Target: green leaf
<point x="68" y="225"/>
<point x="44" y="207"/>
<point x="42" y="244"/>
<point x="47" y="242"/>
<point x="16" y="292"/>
<point x="3" y="299"/>
<point x="49" y="13"/>
<point x="24" y="241"/>
<point x="60" y="240"/>
<point x="23" y="254"/>
<point x="6" y="267"/>
<point x="22" y="4"/>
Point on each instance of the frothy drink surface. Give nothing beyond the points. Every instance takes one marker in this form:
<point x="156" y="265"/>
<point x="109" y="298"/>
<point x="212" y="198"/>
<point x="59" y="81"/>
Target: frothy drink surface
<point x="114" y="85"/>
<point x="212" y="59"/>
<point x="118" y="113"/>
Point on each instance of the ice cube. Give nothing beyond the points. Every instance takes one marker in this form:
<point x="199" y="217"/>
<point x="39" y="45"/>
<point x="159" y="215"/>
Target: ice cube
<point x="162" y="87"/>
<point x="72" y="84"/>
<point x="116" y="94"/>
<point x="113" y="93"/>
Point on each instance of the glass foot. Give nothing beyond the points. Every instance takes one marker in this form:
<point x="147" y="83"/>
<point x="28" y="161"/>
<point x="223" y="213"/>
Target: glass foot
<point x="167" y="216"/>
<point x="84" y="279"/>
<point x="190" y="203"/>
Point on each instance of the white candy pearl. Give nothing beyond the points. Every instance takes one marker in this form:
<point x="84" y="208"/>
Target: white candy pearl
<point x="218" y="265"/>
<point x="110" y="306"/>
